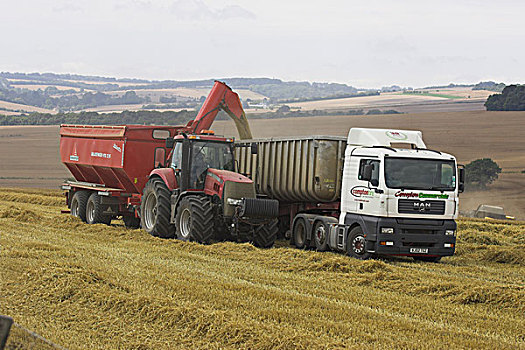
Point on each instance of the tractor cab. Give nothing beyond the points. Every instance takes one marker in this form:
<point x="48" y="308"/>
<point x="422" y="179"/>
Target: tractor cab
<point x="193" y="155"/>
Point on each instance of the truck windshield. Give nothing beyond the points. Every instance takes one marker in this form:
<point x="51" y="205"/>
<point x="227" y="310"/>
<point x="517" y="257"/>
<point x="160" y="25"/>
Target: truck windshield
<point x="420" y="174"/>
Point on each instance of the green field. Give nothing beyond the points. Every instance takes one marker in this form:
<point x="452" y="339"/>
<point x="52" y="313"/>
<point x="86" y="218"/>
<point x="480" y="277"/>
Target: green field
<point x="99" y="287"/>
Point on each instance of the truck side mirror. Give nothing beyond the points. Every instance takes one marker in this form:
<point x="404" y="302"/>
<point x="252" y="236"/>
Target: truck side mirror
<point x="254" y="148"/>
<point x="170" y="142"/>
<point x="374" y="182"/>
<point x="461" y="182"/>
<point x="366" y="175"/>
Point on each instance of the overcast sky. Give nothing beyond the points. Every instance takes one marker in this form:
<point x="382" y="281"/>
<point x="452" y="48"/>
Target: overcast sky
<point x="368" y="43"/>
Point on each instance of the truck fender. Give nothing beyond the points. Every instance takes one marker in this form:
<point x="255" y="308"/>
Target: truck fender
<point x="367" y="224"/>
<point x="167" y="175"/>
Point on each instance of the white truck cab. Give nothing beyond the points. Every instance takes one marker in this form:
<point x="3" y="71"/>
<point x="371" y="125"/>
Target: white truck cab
<point x="397" y="197"/>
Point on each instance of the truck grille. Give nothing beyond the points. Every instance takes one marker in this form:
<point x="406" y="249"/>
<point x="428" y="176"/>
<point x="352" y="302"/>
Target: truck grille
<point x="414" y="206"/>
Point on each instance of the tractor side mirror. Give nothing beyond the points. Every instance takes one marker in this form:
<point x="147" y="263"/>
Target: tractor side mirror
<point x="461" y="182"/>
<point x="254" y="148"/>
<point x="170" y="142"/>
<point x="367" y="172"/>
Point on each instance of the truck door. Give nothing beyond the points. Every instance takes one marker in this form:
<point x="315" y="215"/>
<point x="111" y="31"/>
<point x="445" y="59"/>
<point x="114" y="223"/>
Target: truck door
<point x="366" y="194"/>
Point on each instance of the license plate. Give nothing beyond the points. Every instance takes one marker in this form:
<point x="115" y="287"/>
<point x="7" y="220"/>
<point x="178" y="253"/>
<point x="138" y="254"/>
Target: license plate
<point x="419" y="250"/>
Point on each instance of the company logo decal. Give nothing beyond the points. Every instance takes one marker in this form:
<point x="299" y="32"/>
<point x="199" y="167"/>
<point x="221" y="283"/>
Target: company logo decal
<point x="396" y="135"/>
<point x="115" y="146"/>
<point x="360" y="191"/>
<point x="420" y="195"/>
<point x="101" y="155"/>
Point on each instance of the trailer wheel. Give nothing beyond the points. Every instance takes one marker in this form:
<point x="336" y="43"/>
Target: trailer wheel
<point x="131" y="222"/>
<point x="264" y="236"/>
<point x="355" y="244"/>
<point x="78" y="204"/>
<point x="94" y="211"/>
<point x="320" y="234"/>
<point x="155" y="209"/>
<point x="299" y="234"/>
<point x="434" y="259"/>
<point x="195" y="219"/>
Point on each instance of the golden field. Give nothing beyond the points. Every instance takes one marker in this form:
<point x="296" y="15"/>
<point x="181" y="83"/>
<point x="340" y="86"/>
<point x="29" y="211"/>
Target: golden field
<point x="93" y="286"/>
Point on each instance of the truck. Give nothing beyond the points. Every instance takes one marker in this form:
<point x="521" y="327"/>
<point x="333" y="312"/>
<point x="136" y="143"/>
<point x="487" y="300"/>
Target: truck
<point x="173" y="181"/>
<point x="377" y="192"/>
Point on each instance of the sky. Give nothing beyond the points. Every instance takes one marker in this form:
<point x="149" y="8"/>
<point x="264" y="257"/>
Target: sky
<point x="366" y="44"/>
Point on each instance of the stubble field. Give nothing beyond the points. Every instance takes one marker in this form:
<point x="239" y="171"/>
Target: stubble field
<point x="93" y="286"/>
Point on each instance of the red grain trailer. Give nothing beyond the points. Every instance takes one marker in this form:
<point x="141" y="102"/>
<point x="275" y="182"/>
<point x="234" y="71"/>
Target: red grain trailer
<point x="111" y="165"/>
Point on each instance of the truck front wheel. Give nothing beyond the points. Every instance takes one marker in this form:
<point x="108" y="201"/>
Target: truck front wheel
<point x="155" y="209"/>
<point x="355" y="244"/>
<point x="195" y="219"/>
<point x="78" y="204"/>
<point x="94" y="213"/>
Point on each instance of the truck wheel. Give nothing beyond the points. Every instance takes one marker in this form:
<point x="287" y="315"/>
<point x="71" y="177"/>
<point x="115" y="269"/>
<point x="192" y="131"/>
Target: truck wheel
<point x="78" y="204"/>
<point x="433" y="259"/>
<point x="94" y="211"/>
<point x="320" y="234"/>
<point x="155" y="209"/>
<point x="264" y="236"/>
<point x="131" y="222"/>
<point x="355" y="244"/>
<point x="195" y="219"/>
<point x="299" y="234"/>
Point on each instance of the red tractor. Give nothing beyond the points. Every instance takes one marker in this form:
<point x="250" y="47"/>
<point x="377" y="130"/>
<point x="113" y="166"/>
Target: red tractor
<point x="174" y="181"/>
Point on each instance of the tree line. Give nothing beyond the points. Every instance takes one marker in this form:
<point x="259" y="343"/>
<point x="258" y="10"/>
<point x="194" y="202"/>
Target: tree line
<point x="512" y="98"/>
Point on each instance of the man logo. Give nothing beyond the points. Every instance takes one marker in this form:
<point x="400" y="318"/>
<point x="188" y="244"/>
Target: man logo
<point x="422" y="206"/>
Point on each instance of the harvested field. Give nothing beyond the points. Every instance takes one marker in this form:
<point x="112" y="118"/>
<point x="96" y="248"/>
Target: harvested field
<point x="43" y="87"/>
<point x="93" y="286"/>
<point x="25" y="108"/>
<point x="155" y="94"/>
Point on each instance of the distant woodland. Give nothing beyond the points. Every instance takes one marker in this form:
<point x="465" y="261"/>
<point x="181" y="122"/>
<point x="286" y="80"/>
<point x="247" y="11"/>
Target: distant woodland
<point x="160" y="118"/>
<point x="512" y="98"/>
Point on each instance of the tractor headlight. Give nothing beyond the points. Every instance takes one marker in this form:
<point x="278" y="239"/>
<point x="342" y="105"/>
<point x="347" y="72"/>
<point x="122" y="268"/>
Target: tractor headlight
<point x="450" y="233"/>
<point x="389" y="230"/>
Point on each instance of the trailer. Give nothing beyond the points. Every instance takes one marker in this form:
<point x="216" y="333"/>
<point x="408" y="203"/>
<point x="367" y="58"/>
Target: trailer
<point x="111" y="165"/>
<point x="376" y="192"/>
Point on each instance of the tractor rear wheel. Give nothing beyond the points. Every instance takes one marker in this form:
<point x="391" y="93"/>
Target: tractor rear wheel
<point x="155" y="209"/>
<point x="195" y="219"/>
<point x="264" y="236"/>
<point x="94" y="211"/>
<point x="78" y="204"/>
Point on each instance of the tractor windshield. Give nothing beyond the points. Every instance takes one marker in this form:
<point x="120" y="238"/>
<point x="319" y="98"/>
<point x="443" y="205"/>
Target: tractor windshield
<point x="420" y="174"/>
<point x="209" y="154"/>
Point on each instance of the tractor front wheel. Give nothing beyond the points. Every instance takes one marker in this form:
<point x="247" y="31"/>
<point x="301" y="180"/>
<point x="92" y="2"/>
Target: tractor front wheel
<point x="195" y="219"/>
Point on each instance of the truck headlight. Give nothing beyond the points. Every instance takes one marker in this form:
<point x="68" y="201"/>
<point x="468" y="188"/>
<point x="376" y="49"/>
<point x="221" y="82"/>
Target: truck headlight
<point x="450" y="233"/>
<point x="387" y="230"/>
